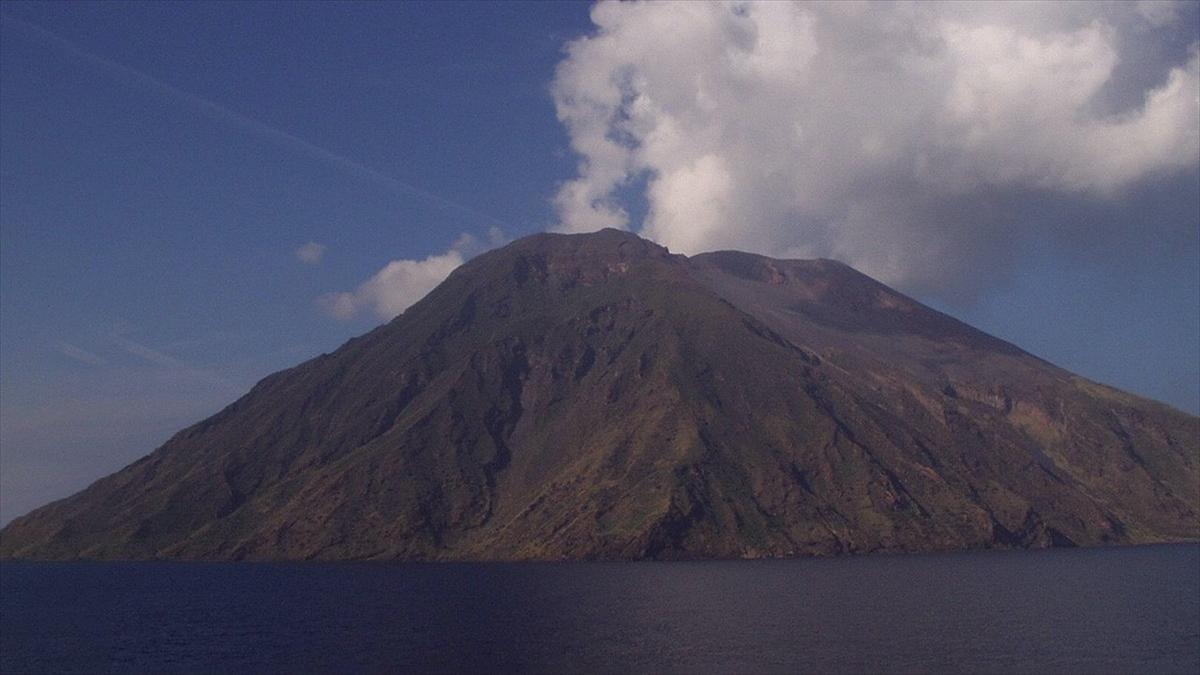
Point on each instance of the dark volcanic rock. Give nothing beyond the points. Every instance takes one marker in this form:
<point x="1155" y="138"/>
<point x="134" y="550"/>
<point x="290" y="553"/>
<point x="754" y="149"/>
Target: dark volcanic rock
<point x="593" y="396"/>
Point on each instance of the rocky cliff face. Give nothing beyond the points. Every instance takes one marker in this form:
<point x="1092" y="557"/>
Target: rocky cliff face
<point x="593" y="396"/>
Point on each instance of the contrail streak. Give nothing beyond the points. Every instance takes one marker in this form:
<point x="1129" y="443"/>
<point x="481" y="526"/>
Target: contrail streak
<point x="218" y="112"/>
<point x="171" y="363"/>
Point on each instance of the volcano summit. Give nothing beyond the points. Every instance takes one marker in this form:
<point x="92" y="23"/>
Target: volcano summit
<point x="596" y="397"/>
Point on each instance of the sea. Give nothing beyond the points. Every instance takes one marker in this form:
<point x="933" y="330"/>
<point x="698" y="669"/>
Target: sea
<point x="1107" y="610"/>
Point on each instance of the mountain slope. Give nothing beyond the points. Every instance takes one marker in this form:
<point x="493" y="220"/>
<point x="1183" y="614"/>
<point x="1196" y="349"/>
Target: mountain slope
<point x="593" y="396"/>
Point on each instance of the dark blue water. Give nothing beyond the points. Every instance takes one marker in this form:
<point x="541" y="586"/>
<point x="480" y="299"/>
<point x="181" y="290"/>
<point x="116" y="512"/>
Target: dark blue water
<point x="1124" y="610"/>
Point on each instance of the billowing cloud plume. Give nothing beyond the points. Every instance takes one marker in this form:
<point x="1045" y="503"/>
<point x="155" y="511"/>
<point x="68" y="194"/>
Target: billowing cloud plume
<point x="894" y="136"/>
<point x="310" y="253"/>
<point x="403" y="282"/>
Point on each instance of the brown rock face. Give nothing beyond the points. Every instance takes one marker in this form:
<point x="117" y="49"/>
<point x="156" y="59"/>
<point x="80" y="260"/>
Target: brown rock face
<point x="593" y="396"/>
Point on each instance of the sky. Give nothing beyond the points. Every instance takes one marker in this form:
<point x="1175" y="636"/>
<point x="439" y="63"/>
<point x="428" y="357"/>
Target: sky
<point x="193" y="196"/>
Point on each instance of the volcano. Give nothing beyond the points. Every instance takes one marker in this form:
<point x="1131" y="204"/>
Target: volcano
<point x="597" y="397"/>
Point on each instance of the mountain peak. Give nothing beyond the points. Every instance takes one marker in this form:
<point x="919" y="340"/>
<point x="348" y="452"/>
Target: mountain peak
<point x="595" y="396"/>
<point x="606" y="241"/>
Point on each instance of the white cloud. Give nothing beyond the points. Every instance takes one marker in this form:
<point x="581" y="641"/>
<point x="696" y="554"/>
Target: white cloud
<point x="401" y="283"/>
<point x="1159" y="12"/>
<point x="310" y="253"/>
<point x="394" y="288"/>
<point x="890" y="135"/>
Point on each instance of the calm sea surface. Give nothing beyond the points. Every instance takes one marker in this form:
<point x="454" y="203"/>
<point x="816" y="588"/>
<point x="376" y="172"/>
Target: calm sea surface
<point x="1088" y="611"/>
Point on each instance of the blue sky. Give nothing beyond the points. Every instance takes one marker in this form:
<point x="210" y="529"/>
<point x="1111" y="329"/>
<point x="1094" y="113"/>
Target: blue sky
<point x="160" y="165"/>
